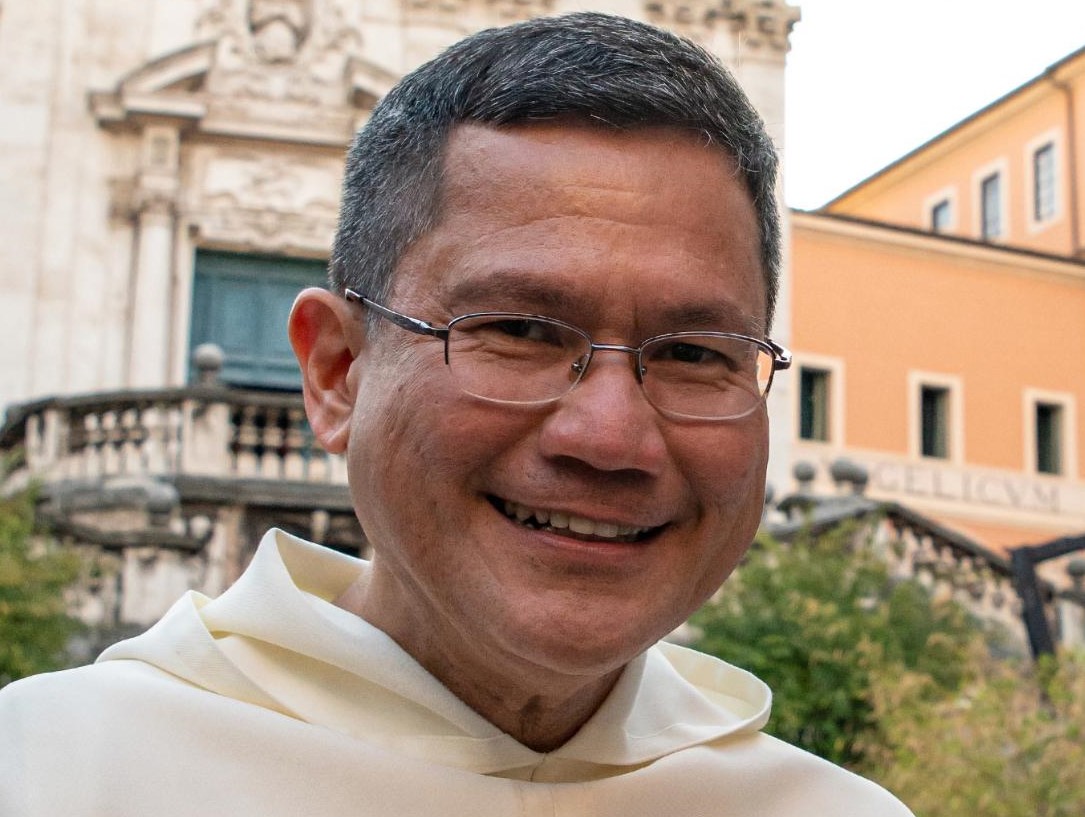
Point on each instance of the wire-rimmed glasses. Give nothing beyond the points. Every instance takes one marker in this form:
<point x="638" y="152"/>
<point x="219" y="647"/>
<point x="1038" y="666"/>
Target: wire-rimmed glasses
<point x="528" y="360"/>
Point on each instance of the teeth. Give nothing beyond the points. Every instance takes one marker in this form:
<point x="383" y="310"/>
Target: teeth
<point x="579" y="525"/>
<point x="521" y="513"/>
<point x="576" y="524"/>
<point x="605" y="529"/>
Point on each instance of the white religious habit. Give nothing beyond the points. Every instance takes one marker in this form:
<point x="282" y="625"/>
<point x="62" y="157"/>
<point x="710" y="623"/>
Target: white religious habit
<point x="270" y="701"/>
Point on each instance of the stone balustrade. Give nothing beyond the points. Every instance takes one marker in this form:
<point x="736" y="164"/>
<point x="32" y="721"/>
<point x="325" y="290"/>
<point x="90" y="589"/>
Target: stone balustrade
<point x="204" y="430"/>
<point x="953" y="568"/>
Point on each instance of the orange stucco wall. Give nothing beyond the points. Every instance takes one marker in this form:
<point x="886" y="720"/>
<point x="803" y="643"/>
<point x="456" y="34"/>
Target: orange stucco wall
<point x="935" y="306"/>
<point x="1002" y="137"/>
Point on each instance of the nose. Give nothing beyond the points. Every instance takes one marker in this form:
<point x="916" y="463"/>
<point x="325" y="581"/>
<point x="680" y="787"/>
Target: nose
<point x="606" y="421"/>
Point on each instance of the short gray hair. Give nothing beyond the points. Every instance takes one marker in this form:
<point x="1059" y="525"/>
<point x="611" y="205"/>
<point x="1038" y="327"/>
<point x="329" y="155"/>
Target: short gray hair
<point x="598" y="68"/>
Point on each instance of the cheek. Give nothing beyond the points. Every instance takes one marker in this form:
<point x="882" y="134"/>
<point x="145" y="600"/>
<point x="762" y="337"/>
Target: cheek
<point x="417" y="437"/>
<point x="730" y="472"/>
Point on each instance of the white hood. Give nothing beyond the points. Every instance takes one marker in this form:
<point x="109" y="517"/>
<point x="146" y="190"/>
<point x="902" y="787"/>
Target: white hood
<point x="275" y="640"/>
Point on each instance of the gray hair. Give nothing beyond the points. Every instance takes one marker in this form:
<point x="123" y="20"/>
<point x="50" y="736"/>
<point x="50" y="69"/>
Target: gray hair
<point x="598" y="68"/>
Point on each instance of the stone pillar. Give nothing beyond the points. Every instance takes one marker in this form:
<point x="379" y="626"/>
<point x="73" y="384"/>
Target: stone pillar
<point x="151" y="286"/>
<point x="1071" y="616"/>
<point x="760" y="33"/>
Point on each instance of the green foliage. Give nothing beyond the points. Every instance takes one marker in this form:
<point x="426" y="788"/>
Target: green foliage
<point x="1011" y="743"/>
<point x="34" y="571"/>
<point x="819" y="620"/>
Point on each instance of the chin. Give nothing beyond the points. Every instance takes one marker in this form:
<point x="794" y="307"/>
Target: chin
<point x="584" y="648"/>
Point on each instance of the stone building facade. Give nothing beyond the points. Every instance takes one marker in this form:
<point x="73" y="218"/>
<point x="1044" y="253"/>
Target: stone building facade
<point x="171" y="174"/>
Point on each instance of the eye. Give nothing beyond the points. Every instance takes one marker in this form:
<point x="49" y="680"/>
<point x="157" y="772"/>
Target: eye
<point x="694" y="354"/>
<point x="691" y="353"/>
<point x="523" y="329"/>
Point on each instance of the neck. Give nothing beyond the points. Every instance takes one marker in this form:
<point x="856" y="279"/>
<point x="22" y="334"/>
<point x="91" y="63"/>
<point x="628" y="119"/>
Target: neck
<point x="541" y="720"/>
<point x="540" y="708"/>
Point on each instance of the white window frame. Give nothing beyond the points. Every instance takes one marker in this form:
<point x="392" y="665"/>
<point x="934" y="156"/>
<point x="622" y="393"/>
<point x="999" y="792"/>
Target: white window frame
<point x="1000" y="167"/>
<point x="835" y="367"/>
<point x="1053" y="138"/>
<point x="946" y="194"/>
<point x="1068" y="404"/>
<point x="955" y="387"/>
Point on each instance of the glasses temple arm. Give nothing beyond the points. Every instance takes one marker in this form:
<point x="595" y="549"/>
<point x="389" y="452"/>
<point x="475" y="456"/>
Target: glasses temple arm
<point x="398" y="318"/>
<point x="781" y="357"/>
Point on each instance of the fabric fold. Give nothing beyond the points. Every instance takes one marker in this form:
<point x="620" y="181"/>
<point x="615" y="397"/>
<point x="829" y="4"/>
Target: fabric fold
<point x="324" y="665"/>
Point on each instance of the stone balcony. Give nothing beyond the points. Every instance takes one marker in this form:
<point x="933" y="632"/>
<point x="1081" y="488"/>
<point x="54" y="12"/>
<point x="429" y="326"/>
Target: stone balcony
<point x="165" y="490"/>
<point x="949" y="564"/>
<point x="210" y="432"/>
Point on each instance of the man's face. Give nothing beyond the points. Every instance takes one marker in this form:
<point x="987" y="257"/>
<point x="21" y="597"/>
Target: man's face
<point x="627" y="235"/>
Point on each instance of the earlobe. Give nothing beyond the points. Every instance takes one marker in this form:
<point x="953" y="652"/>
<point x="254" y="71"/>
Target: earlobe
<point x="325" y="338"/>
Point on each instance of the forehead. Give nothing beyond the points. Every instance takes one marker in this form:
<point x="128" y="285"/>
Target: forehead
<point x="566" y="208"/>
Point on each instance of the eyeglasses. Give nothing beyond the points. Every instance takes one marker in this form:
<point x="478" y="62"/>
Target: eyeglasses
<point x="531" y="360"/>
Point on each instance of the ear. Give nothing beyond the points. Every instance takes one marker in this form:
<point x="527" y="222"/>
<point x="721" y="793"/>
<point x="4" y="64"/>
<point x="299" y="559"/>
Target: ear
<point x="326" y="337"/>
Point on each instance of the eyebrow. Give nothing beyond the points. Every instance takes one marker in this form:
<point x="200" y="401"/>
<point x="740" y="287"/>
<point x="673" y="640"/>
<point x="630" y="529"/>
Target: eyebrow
<point x="711" y="316"/>
<point x="503" y="286"/>
<point x="515" y="288"/>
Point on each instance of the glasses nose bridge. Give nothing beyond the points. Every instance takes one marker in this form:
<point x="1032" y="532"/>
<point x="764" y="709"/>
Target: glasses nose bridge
<point x="594" y="347"/>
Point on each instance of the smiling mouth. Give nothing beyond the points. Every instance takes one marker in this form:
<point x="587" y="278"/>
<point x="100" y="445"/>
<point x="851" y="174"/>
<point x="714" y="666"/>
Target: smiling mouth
<point x="577" y="527"/>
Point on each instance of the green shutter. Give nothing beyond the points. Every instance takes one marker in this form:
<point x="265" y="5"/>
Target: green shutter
<point x="241" y="303"/>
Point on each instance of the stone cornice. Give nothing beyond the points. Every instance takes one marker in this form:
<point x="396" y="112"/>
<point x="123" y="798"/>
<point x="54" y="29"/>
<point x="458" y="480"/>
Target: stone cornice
<point x="757" y="23"/>
<point x="1014" y="259"/>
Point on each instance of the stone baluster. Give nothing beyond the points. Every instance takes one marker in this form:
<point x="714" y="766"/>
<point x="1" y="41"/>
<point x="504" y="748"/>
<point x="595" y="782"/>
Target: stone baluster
<point x="55" y="452"/>
<point x="246" y="441"/>
<point x="36" y="446"/>
<point x="295" y="445"/>
<point x="172" y="415"/>
<point x="271" y="444"/>
<point x="153" y="422"/>
<point x="113" y="434"/>
<point x="133" y="440"/>
<point x="88" y="443"/>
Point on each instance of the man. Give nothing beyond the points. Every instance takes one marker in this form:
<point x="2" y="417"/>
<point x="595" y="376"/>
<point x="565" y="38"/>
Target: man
<point x="544" y="356"/>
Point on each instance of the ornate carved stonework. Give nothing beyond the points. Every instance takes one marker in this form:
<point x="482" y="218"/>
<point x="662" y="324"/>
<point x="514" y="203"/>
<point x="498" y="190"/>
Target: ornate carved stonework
<point x="762" y="23"/>
<point x="279" y="28"/>
<point x="266" y="232"/>
<point x="249" y="199"/>
<point x="756" y="23"/>
<point x="466" y="15"/>
<point x="281" y="51"/>
<point x="690" y="18"/>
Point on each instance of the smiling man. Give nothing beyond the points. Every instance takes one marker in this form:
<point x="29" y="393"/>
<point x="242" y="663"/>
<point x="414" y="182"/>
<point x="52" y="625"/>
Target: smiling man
<point x="544" y="355"/>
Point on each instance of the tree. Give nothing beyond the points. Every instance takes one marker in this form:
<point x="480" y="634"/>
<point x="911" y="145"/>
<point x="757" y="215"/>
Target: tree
<point x="34" y="571"/>
<point x="820" y="620"/>
<point x="1011" y="743"/>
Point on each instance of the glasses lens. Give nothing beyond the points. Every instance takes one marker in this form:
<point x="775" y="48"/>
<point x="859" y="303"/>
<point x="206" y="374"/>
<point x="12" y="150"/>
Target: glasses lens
<point x="705" y="376"/>
<point x="515" y="358"/>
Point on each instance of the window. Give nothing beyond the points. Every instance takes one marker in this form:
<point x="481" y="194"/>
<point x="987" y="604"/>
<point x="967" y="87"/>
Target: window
<point x="1049" y="438"/>
<point x="991" y="206"/>
<point x="1043" y="183"/>
<point x="934" y="421"/>
<point x="1050" y="426"/>
<point x="241" y="303"/>
<point x="814" y="404"/>
<point x="941" y="216"/>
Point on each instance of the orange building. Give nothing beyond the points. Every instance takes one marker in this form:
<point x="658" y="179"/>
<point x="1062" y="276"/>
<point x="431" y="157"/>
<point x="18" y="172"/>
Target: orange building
<point x="939" y="321"/>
